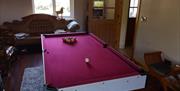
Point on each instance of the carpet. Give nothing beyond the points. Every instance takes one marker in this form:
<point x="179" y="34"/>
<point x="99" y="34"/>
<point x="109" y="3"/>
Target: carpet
<point x="32" y="79"/>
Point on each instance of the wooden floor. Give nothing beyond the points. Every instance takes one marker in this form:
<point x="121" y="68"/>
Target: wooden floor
<point x="13" y="82"/>
<point x="26" y="60"/>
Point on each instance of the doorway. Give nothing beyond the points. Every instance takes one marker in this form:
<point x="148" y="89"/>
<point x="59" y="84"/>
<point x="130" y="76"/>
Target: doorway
<point x="129" y="35"/>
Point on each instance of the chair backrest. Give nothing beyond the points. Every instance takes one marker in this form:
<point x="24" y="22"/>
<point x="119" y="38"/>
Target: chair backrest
<point x="36" y="24"/>
<point x="153" y="57"/>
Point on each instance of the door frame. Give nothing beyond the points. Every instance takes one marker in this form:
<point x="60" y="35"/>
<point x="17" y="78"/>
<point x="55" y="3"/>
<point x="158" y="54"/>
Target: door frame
<point x="123" y="31"/>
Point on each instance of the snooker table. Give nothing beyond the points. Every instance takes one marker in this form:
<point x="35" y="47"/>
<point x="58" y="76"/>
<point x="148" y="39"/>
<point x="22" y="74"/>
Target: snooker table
<point x="66" y="67"/>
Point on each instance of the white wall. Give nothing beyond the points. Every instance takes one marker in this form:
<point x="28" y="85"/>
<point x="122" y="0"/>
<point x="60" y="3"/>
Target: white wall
<point x="80" y="10"/>
<point x="161" y="31"/>
<point x="15" y="9"/>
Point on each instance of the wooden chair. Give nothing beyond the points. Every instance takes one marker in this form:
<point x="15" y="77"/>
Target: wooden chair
<point x="161" y="70"/>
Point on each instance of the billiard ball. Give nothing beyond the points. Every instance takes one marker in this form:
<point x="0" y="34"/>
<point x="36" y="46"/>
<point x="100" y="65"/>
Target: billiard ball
<point x="87" y="60"/>
<point x="69" y="40"/>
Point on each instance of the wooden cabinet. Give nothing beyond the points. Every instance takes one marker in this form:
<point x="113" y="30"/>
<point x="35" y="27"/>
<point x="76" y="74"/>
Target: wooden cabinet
<point x="7" y="56"/>
<point x="6" y="37"/>
<point x="7" y="51"/>
<point x="104" y="20"/>
<point x="103" y="9"/>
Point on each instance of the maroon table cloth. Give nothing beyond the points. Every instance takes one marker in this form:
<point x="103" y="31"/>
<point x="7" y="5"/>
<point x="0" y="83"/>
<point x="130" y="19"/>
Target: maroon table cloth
<point x="65" y="64"/>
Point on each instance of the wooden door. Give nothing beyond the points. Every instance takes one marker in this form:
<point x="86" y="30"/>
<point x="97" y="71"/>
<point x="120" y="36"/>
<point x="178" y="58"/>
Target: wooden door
<point x="104" y="20"/>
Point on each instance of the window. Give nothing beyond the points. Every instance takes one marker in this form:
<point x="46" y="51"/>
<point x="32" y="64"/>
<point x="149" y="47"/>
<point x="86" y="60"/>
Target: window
<point x="42" y="6"/>
<point x="133" y="8"/>
<point x="65" y="4"/>
<point x="51" y="6"/>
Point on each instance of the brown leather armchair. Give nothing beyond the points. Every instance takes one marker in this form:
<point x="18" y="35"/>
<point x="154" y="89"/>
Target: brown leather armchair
<point x="162" y="70"/>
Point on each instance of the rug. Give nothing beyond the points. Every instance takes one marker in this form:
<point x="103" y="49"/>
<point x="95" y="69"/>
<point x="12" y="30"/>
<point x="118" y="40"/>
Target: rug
<point x="32" y="79"/>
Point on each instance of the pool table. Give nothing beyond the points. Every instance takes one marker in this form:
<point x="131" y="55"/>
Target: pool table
<point x="89" y="64"/>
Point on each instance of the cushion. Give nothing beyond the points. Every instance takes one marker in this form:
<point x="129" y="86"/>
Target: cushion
<point x="59" y="31"/>
<point x="161" y="68"/>
<point x="21" y="35"/>
<point x="73" y="26"/>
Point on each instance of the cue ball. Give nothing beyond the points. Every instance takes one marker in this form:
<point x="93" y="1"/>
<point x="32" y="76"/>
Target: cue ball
<point x="87" y="60"/>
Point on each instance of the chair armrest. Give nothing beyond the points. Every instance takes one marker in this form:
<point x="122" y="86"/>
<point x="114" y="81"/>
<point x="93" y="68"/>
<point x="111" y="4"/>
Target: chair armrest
<point x="175" y="70"/>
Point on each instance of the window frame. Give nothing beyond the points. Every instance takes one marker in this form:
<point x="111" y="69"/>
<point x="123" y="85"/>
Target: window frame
<point x="54" y="8"/>
<point x="133" y="7"/>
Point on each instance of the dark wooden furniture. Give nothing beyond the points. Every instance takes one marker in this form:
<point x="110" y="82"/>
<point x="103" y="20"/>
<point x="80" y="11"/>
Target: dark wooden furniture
<point x="7" y="50"/>
<point x="36" y="24"/>
<point x="1" y="83"/>
<point x="163" y="70"/>
<point x="6" y="36"/>
<point x="7" y="56"/>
